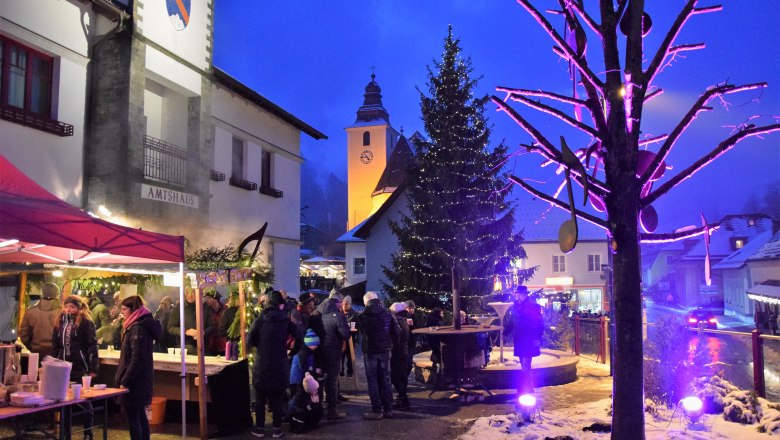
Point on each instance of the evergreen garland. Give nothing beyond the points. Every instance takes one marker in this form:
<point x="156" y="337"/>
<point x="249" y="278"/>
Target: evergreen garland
<point x="458" y="213"/>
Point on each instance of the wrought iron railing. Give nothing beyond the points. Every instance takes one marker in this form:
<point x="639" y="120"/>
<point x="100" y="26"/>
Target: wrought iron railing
<point x="273" y="192"/>
<point x="36" y="121"/>
<point x="217" y="176"/>
<point x="241" y="183"/>
<point x="164" y="162"/>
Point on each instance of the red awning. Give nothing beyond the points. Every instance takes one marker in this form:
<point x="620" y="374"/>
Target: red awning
<point x="50" y="230"/>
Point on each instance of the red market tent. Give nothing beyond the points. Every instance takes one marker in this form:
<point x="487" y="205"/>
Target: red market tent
<point x="50" y="230"/>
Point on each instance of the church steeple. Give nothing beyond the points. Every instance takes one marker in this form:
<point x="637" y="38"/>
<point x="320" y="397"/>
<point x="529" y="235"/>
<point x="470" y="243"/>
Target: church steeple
<point x="372" y="108"/>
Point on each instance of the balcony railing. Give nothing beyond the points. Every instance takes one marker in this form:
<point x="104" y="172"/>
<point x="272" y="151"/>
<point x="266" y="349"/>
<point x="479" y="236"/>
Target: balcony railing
<point x="273" y="192"/>
<point x="164" y="162"/>
<point x="217" y="176"/>
<point x="36" y="121"/>
<point x="245" y="184"/>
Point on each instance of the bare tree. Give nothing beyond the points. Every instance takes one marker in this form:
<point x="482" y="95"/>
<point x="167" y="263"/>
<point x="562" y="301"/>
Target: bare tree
<point x="615" y="170"/>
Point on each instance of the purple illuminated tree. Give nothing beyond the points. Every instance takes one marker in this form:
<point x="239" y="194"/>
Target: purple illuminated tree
<point x="614" y="166"/>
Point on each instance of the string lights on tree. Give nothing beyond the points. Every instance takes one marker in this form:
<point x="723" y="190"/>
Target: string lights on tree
<point x="456" y="189"/>
<point x="615" y="167"/>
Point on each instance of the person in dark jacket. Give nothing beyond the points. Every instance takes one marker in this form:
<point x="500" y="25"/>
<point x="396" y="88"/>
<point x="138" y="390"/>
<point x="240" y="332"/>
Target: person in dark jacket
<point x="215" y="343"/>
<point x="528" y="329"/>
<point x="136" y="367"/>
<point x="351" y="315"/>
<point x="399" y="373"/>
<point x="269" y="336"/>
<point x="332" y="343"/>
<point x="190" y="327"/>
<point x="380" y="333"/>
<point x="74" y="341"/>
<point x="163" y="315"/>
<point x="228" y="317"/>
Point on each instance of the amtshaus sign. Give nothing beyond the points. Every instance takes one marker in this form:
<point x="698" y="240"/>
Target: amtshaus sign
<point x="169" y="196"/>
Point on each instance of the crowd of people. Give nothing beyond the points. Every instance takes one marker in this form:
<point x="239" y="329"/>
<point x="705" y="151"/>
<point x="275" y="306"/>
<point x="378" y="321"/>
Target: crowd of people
<point x="300" y="348"/>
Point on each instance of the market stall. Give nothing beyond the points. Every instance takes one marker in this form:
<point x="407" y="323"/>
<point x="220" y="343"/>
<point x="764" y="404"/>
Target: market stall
<point x="37" y="227"/>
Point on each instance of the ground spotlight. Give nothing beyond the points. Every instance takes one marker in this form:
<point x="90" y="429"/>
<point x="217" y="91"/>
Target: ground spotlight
<point x="692" y="408"/>
<point x="526" y="407"/>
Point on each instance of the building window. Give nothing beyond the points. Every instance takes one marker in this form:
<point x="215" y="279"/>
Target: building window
<point x="359" y="266"/>
<point x="751" y="222"/>
<point x="366" y="138"/>
<point x="26" y="78"/>
<point x="265" y="173"/>
<point x="594" y="263"/>
<point x="738" y="242"/>
<point x="237" y="167"/>
<point x="559" y="263"/>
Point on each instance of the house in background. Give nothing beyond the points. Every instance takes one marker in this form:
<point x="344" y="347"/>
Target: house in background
<point x="734" y="233"/>
<point x="116" y="107"/>
<point x="580" y="272"/>
<point x="658" y="276"/>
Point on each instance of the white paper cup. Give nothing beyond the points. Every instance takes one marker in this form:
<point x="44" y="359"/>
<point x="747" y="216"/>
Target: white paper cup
<point x="76" y="388"/>
<point x="86" y="381"/>
<point x="171" y="351"/>
<point x="185" y="352"/>
<point x="353" y="326"/>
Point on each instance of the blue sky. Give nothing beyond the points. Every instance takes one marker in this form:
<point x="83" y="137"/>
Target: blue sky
<point x="314" y="59"/>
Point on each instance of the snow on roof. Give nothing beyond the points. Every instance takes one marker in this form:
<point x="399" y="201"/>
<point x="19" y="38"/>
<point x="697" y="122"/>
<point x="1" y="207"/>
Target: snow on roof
<point x="731" y="227"/>
<point x="770" y="250"/>
<point x="738" y="259"/>
<point x="349" y="237"/>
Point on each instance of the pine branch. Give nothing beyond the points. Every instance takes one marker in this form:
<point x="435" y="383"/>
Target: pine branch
<point x="678" y="235"/>
<point x="565" y="206"/>
<point x="664" y="49"/>
<point x="568" y="52"/>
<point x="699" y="106"/>
<point x="547" y="149"/>
<point x="722" y="148"/>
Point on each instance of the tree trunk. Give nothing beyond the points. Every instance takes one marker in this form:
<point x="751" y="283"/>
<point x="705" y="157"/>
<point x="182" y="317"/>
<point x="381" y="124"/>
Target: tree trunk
<point x="628" y="422"/>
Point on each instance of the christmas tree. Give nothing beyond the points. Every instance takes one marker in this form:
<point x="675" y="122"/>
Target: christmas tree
<point x="456" y="192"/>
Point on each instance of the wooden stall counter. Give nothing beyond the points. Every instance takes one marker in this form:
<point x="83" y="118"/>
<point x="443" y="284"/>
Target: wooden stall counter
<point x="167" y="379"/>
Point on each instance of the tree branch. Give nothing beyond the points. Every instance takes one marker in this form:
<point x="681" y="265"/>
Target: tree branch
<point x="699" y="106"/>
<point x="595" y="27"/>
<point x="685" y="47"/>
<point x="678" y="235"/>
<point x="542" y="94"/>
<point x="565" y="206"/>
<point x="722" y="148"/>
<point x="570" y="55"/>
<point x="664" y="49"/>
<point x="653" y="94"/>
<point x="557" y="113"/>
<point x="650" y="140"/>
<point x="546" y="148"/>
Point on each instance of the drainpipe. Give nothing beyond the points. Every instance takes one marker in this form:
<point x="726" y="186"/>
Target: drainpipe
<point x="121" y="17"/>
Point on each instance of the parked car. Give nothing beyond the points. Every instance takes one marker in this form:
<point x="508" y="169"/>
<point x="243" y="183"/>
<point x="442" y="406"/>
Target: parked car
<point x="701" y="318"/>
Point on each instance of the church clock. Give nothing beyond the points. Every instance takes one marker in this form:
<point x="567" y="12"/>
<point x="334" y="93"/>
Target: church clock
<point x="366" y="156"/>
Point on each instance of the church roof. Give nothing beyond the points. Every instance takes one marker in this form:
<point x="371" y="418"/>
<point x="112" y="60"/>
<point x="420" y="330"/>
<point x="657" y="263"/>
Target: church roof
<point x="372" y="108"/>
<point x="395" y="170"/>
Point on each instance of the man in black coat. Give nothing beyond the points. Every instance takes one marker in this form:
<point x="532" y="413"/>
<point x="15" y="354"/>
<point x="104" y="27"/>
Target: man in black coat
<point x="190" y="320"/>
<point x="380" y="332"/>
<point x="528" y="330"/>
<point x="268" y="335"/>
<point x="332" y="343"/>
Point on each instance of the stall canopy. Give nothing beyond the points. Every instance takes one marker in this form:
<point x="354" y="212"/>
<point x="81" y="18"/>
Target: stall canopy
<point x="38" y="227"/>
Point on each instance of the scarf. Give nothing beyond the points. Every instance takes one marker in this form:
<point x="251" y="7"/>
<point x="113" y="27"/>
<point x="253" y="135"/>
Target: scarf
<point x="135" y="316"/>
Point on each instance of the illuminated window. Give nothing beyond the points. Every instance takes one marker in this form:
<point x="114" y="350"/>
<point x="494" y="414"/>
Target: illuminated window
<point x="594" y="263"/>
<point x="559" y="263"/>
<point x="751" y="222"/>
<point x="366" y="138"/>
<point x="359" y="266"/>
<point x="739" y="243"/>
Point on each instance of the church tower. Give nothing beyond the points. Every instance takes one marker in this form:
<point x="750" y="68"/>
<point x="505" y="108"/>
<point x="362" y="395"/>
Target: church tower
<point x="369" y="143"/>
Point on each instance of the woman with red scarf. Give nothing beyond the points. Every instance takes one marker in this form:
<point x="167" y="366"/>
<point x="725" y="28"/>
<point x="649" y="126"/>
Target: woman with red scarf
<point x="136" y="367"/>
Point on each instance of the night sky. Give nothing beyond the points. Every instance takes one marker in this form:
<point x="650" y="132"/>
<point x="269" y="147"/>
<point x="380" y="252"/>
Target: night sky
<point x="315" y="58"/>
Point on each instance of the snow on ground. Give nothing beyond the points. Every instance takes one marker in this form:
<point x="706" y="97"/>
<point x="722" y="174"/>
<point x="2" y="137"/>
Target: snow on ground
<point x="570" y="421"/>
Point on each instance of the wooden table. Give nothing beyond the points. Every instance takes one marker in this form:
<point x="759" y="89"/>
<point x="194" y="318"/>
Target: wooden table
<point x="65" y="408"/>
<point x="456" y="345"/>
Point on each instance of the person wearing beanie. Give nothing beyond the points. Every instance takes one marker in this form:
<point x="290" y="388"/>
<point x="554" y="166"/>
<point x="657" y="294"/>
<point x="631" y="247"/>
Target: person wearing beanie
<point x="380" y="333"/>
<point x="307" y="360"/>
<point x="74" y="340"/>
<point x="305" y="409"/>
<point x="38" y="322"/>
<point x="311" y="340"/>
<point x="399" y="356"/>
<point x="268" y="335"/>
<point x="351" y="315"/>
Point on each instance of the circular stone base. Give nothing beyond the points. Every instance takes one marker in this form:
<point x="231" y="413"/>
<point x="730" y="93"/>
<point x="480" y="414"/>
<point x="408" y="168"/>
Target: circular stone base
<point x="551" y="368"/>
